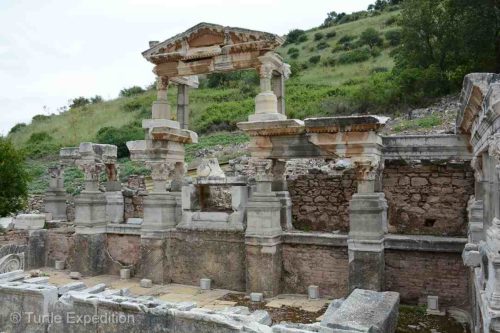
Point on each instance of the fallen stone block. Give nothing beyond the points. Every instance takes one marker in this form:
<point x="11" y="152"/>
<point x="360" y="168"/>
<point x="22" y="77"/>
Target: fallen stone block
<point x="98" y="288"/>
<point x="59" y="265"/>
<point x="332" y="307"/>
<point x="29" y="221"/>
<point x="37" y="280"/>
<point x="313" y="292"/>
<point x="296" y="328"/>
<point x="74" y="286"/>
<point x="364" y="311"/>
<point x="6" y="223"/>
<point x="12" y="276"/>
<point x="146" y="283"/>
<point x="262" y="317"/>
<point x="75" y="275"/>
<point x="125" y="273"/>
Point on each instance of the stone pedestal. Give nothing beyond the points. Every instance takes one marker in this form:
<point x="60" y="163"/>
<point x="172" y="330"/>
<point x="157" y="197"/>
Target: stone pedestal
<point x="90" y="212"/>
<point x="55" y="203"/>
<point x="263" y="238"/>
<point x="114" y="207"/>
<point x="90" y="256"/>
<point x="159" y="214"/>
<point x="368" y="223"/>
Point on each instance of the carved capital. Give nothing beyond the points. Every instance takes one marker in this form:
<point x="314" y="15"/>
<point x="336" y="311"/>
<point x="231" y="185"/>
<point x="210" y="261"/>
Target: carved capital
<point x="160" y="170"/>
<point x="477" y="165"/>
<point x="366" y="171"/>
<point x="162" y="82"/>
<point x="286" y="70"/>
<point x="266" y="71"/>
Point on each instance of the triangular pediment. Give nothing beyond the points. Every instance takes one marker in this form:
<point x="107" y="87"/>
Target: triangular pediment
<point x="207" y="40"/>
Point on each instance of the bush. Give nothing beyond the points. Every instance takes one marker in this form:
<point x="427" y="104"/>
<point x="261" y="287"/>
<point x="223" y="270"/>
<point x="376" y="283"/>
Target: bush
<point x="346" y="39"/>
<point x="393" y="37"/>
<point x="39" y="117"/>
<point x="120" y="136"/>
<point x="322" y="45"/>
<point x="318" y="36"/>
<point x="96" y="99"/>
<point x="17" y="127"/>
<point x="132" y="91"/>
<point x="13" y="179"/>
<point x="294" y="55"/>
<point x="331" y="34"/>
<point x="223" y="115"/>
<point x="370" y="37"/>
<point x="39" y="137"/>
<point x="315" y="59"/>
<point x="330" y="62"/>
<point x="375" y="52"/>
<point x="294" y="36"/>
<point x="292" y="50"/>
<point x="78" y="102"/>
<point x="358" y="55"/>
<point x="302" y="39"/>
<point x="391" y="20"/>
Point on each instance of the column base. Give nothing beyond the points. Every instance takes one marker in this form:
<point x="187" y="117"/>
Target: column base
<point x="264" y="265"/>
<point x="89" y="257"/>
<point x="159" y="214"/>
<point x="55" y="203"/>
<point x="90" y="213"/>
<point x="114" y="207"/>
<point x="366" y="265"/>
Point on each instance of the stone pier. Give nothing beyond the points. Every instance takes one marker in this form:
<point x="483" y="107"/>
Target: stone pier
<point x="55" y="196"/>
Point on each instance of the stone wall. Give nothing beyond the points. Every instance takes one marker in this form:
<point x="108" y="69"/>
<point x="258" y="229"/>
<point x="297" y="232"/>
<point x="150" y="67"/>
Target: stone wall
<point x="428" y="198"/>
<point x="133" y="197"/>
<point x="124" y="251"/>
<point x="220" y="256"/>
<point x="60" y="244"/>
<point x="415" y="275"/>
<point x="324" y="266"/>
<point x="320" y="202"/>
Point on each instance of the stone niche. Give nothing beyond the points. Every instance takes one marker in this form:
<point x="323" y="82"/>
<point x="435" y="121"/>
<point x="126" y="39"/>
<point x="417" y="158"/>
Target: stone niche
<point x="428" y="198"/>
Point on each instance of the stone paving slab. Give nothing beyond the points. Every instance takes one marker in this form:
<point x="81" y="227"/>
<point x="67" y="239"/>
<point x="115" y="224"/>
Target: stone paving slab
<point x="298" y="301"/>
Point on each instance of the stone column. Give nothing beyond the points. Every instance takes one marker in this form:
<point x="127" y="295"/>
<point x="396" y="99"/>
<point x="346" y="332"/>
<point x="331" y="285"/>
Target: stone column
<point x="266" y="102"/>
<point x="114" y="197"/>
<point x="280" y="188"/>
<point x="183" y="105"/>
<point x="367" y="226"/>
<point x="161" y="108"/>
<point x="55" y="196"/>
<point x="263" y="237"/>
<point x="278" y="84"/>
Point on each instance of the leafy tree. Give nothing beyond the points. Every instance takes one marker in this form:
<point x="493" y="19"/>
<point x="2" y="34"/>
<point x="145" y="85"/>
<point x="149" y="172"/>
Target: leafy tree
<point x="370" y="37"/>
<point x="454" y="36"/>
<point x="318" y="36"/>
<point x="96" y="99"/>
<point x="294" y="36"/>
<point x="79" y="101"/>
<point x="120" y="136"/>
<point x="132" y="91"/>
<point x="17" y="127"/>
<point x="393" y="37"/>
<point x="13" y="178"/>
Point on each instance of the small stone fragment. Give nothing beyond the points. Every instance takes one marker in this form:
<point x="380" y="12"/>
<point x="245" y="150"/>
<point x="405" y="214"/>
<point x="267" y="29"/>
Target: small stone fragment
<point x="125" y="273"/>
<point x="59" y="265"/>
<point x="313" y="292"/>
<point x="75" y="275"/>
<point x="146" y="283"/>
<point x="256" y="297"/>
<point x="205" y="284"/>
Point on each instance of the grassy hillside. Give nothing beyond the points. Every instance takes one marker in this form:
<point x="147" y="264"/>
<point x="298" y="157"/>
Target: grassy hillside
<point x="311" y="91"/>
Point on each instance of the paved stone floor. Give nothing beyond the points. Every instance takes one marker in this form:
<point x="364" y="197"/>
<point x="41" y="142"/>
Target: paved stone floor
<point x="180" y="293"/>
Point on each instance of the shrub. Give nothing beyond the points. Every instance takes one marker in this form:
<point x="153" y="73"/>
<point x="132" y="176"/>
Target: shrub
<point x="13" y="178"/>
<point x="38" y="137"/>
<point x="330" y="62"/>
<point x="292" y="50"/>
<point x="120" y="136"/>
<point x="315" y="59"/>
<point x="318" y="36"/>
<point x="346" y="39"/>
<point x="223" y="115"/>
<point x="78" y="102"/>
<point x="393" y="37"/>
<point x="391" y="20"/>
<point x="370" y="37"/>
<point x="375" y="52"/>
<point x="294" y="35"/>
<point x="132" y="91"/>
<point x="331" y="34"/>
<point x="358" y="55"/>
<point x="322" y="45"/>
<point x="302" y="39"/>
<point x="96" y="99"/>
<point x="39" y="117"/>
<point x="17" y="127"/>
<point x="294" y="55"/>
<point x="379" y="70"/>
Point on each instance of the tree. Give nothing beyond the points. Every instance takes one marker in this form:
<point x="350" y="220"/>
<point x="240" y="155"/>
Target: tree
<point x="294" y="36"/>
<point x="456" y="36"/>
<point x="132" y="91"/>
<point x="370" y="37"/>
<point x="13" y="178"/>
<point x="79" y="101"/>
<point x="96" y="99"/>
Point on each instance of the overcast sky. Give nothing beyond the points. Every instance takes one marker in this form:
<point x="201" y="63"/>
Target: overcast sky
<point x="54" y="50"/>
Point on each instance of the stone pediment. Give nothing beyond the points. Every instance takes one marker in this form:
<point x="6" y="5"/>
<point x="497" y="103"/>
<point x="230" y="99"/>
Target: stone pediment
<point x="206" y="40"/>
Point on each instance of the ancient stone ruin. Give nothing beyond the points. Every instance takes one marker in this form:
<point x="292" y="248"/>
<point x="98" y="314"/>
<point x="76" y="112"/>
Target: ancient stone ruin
<point x="325" y="206"/>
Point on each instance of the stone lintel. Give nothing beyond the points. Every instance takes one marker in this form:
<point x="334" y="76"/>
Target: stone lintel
<point x="255" y="240"/>
<point x="345" y="124"/>
<point x="272" y="127"/>
<point x="173" y="134"/>
<point x="424" y="243"/>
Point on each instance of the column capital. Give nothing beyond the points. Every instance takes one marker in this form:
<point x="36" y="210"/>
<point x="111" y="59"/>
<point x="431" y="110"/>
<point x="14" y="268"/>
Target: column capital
<point x="91" y="170"/>
<point x="162" y="82"/>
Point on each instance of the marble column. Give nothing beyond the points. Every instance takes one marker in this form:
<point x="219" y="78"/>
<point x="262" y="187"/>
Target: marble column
<point x="183" y="105"/>
<point x="263" y="236"/>
<point x="161" y="108"/>
<point x="115" y="205"/>
<point x="367" y="226"/>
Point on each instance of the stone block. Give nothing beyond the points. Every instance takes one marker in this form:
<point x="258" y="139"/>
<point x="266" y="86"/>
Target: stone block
<point x="75" y="275"/>
<point x="37" y="280"/>
<point x="29" y="221"/>
<point x="59" y="265"/>
<point x="125" y="273"/>
<point x="433" y="306"/>
<point x="114" y="207"/>
<point x="205" y="284"/>
<point x="256" y="297"/>
<point x="74" y="286"/>
<point x="313" y="292"/>
<point x="98" y="288"/>
<point x="12" y="276"/>
<point x="364" y="311"/>
<point x="146" y="283"/>
<point x="6" y="223"/>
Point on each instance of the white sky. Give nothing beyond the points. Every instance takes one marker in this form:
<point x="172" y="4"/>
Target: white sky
<point x="54" y="50"/>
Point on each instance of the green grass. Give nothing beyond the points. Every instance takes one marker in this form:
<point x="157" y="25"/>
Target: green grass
<point x="213" y="140"/>
<point x="425" y="122"/>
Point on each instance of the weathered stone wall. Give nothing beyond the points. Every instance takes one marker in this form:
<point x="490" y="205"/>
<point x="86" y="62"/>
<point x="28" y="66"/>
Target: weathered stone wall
<point x="428" y="198"/>
<point x="415" y="275"/>
<point x="124" y="251"/>
<point x="324" y="266"/>
<point x="220" y="256"/>
<point x="133" y="197"/>
<point x="60" y="244"/>
<point x="320" y="202"/>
